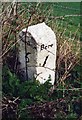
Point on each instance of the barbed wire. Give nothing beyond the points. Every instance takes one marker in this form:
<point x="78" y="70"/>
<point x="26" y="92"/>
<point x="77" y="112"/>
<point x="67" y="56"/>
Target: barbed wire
<point x="63" y="16"/>
<point x="71" y="89"/>
<point x="52" y="17"/>
<point x="65" y="7"/>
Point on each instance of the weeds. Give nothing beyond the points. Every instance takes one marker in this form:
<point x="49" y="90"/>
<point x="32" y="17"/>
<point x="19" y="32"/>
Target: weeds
<point x="35" y="98"/>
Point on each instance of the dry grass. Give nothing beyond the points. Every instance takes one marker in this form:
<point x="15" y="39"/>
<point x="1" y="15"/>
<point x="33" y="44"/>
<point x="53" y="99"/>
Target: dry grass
<point x="14" y="20"/>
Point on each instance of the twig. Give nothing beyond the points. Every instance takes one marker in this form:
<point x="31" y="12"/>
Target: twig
<point x="8" y="49"/>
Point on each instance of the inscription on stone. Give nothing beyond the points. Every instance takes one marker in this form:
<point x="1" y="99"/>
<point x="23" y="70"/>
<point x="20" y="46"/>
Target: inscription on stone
<point x="45" y="47"/>
<point x="41" y="52"/>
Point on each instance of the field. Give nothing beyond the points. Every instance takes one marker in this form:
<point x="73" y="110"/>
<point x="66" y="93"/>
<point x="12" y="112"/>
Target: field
<point x="61" y="10"/>
<point x="29" y="99"/>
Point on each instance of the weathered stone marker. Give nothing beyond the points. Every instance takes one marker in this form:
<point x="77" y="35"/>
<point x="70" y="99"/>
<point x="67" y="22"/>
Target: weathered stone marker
<point x="41" y="52"/>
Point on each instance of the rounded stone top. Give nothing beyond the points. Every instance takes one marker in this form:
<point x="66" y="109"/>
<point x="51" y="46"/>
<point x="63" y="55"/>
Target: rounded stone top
<point x="41" y="33"/>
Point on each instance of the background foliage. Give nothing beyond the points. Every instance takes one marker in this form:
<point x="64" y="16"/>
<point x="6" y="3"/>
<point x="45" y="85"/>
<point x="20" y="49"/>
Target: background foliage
<point x="30" y="99"/>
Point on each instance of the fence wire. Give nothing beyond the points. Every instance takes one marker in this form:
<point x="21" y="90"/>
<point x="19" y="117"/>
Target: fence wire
<point x="63" y="24"/>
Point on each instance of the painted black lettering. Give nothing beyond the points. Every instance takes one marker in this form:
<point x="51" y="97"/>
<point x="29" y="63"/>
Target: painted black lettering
<point x="45" y="61"/>
<point x="50" y="45"/>
<point x="45" y="47"/>
<point x="42" y="46"/>
<point x="26" y="56"/>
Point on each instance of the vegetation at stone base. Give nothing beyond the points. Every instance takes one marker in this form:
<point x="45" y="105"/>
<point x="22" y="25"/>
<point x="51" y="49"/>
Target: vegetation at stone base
<point x="24" y="99"/>
<point x="28" y="89"/>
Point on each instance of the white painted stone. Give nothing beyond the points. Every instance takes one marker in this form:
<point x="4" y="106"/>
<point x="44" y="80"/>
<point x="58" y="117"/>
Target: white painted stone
<point x="42" y="60"/>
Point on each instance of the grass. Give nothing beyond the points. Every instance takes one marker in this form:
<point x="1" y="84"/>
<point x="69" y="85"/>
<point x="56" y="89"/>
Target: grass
<point x="56" y="10"/>
<point x="66" y="29"/>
